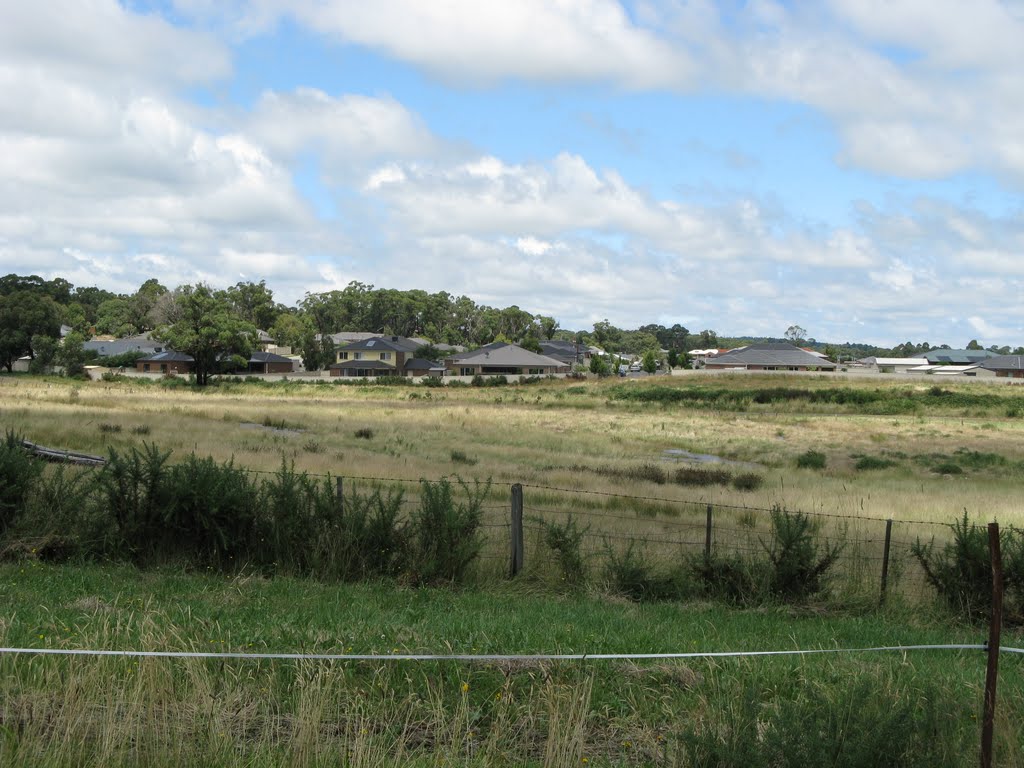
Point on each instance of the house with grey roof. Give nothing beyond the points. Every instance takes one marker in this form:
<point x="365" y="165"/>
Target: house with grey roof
<point x="892" y="364"/>
<point x="568" y="352"/>
<point x="378" y="356"/>
<point x="1005" y="366"/>
<point x="769" y="357"/>
<point x="166" y="362"/>
<point x="504" y="359"/>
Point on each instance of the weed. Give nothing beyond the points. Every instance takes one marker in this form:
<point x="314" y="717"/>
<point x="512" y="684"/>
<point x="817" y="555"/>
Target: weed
<point x="141" y="429"/>
<point x="565" y="541"/>
<point x="872" y="462"/>
<point x="18" y="475"/>
<point x="364" y="433"/>
<point x="445" y="532"/>
<point x="460" y="457"/>
<point x="811" y="460"/>
<point x="947" y="468"/>
<point x="109" y="429"/>
<point x="747" y="481"/>
<point x="700" y="476"/>
<point x="797" y="569"/>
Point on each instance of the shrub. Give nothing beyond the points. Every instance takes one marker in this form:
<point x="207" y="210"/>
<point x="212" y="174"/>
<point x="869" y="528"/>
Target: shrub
<point x="565" y="541"/>
<point x="209" y="517"/>
<point x="18" y="475"/>
<point x="134" y="487"/>
<point x="811" y="460"/>
<point x="364" y="433"/>
<point x="109" y="429"/>
<point x="732" y="578"/>
<point x="747" y="481"/>
<point x="445" y="532"/>
<point x="650" y="472"/>
<point x="459" y="457"/>
<point x="432" y="381"/>
<point x="947" y="468"/>
<point x="872" y="462"/>
<point x="961" y="572"/>
<point x="366" y="540"/>
<point x="700" y="476"/>
<point x="632" y="575"/>
<point x="797" y="569"/>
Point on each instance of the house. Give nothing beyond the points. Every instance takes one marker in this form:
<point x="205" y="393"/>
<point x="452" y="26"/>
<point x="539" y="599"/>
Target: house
<point x="957" y="356"/>
<point x="142" y="342"/>
<point x="892" y="364"/>
<point x="769" y="357"/>
<point x="377" y="356"/>
<point x="699" y="357"/>
<point x="500" y="358"/>
<point x="1005" y="366"/>
<point x="950" y="370"/>
<point x="567" y="352"/>
<point x="419" y="366"/>
<point x="166" y="362"/>
<point x="270" y="362"/>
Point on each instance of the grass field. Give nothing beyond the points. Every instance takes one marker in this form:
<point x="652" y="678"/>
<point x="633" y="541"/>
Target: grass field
<point x="606" y="452"/>
<point x="915" y="708"/>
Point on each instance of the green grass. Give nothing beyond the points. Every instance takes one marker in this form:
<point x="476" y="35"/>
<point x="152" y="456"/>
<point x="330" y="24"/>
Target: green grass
<point x="59" y="711"/>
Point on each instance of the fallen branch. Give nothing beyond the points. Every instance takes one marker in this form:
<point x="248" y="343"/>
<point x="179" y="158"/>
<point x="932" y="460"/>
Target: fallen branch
<point x="69" y="457"/>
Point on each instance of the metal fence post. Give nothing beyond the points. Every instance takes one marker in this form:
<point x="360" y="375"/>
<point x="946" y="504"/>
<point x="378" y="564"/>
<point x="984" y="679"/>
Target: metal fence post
<point x="516" y="563"/>
<point x="992" y="673"/>
<point x="707" y="536"/>
<point x="885" y="560"/>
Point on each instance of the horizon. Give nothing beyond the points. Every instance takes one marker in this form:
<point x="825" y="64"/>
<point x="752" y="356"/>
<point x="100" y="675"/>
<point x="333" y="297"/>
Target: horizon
<point x="853" y="167"/>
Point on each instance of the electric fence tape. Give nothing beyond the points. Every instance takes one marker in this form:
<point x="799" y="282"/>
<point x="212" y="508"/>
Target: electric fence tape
<point x="468" y="657"/>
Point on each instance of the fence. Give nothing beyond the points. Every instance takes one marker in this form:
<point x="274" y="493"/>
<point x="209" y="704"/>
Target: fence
<point x="875" y="555"/>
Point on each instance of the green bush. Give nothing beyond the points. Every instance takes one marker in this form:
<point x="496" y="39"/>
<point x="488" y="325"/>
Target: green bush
<point x="18" y="475"/>
<point x="135" y="490"/>
<point x="444" y="532"/>
<point x="631" y="574"/>
<point x="797" y="569"/>
<point x="961" y="572"/>
<point x="731" y="578"/>
<point x="700" y="476"/>
<point x="947" y="468"/>
<point x="366" y="539"/>
<point x="872" y="462"/>
<point x="747" y="481"/>
<point x="565" y="542"/>
<point x="811" y="460"/>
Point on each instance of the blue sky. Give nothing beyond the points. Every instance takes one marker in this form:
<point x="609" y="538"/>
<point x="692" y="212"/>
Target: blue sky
<point x="851" y="166"/>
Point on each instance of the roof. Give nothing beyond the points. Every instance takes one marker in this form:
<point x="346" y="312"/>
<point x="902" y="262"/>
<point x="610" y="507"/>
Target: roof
<point x="121" y="346"/>
<point x="364" y="365"/>
<point x="770" y="354"/>
<point x="269" y="357"/>
<point x="566" y="351"/>
<point x="422" y="364"/>
<point x="894" y="361"/>
<point x="1004" y="363"/>
<point x="393" y="343"/>
<point x="958" y="356"/>
<point x="502" y="354"/>
<point x="170" y="356"/>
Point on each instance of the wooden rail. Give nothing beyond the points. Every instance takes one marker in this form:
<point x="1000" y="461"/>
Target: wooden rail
<point x="57" y="454"/>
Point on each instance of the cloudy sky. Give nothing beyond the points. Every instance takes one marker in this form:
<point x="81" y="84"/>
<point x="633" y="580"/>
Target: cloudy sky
<point x="852" y="166"/>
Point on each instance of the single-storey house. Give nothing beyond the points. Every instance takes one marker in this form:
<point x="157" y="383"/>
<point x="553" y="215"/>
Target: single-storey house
<point x="1005" y="366"/>
<point x="950" y="370"/>
<point x="500" y="358"/>
<point x="418" y="366"/>
<point x="770" y="357"/>
<point x="166" y="362"/>
<point x="270" y="362"/>
<point x="893" y="364"/>
<point x="114" y="347"/>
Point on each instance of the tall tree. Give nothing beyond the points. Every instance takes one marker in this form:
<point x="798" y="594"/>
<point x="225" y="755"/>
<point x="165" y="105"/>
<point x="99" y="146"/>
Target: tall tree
<point x="254" y="303"/>
<point x="24" y="314"/>
<point x="795" y="334"/>
<point x="208" y="329"/>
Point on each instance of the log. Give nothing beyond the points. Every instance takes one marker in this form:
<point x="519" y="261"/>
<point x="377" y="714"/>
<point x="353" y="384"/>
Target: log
<point x="57" y="454"/>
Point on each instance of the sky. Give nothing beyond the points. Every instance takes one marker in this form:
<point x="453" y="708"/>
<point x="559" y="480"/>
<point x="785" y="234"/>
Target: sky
<point x="854" y="167"/>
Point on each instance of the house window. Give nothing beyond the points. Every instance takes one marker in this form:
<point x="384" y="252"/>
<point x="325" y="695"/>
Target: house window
<point x="467" y="371"/>
<point x="385" y="355"/>
<point x="357" y="355"/>
<point x="343" y="356"/>
<point x="145" y="367"/>
<point x="163" y="367"/>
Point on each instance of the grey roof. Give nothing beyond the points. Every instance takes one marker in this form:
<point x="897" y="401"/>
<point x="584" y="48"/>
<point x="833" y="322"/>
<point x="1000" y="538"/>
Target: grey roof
<point x="347" y="337"/>
<point x="122" y="346"/>
<point x="769" y="354"/>
<point x="422" y="364"/>
<point x="502" y="354"/>
<point x="1004" y="363"/>
<point x="363" y="364"/>
<point x="958" y="356"/>
<point x="393" y="343"/>
<point x="567" y="351"/>
<point x="170" y="356"/>
<point x="269" y="357"/>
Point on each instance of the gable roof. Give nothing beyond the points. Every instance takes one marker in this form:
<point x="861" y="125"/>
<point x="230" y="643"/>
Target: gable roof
<point x="1004" y="363"/>
<point x="269" y="357"/>
<point x="770" y="354"/>
<point x="893" y="360"/>
<point x="374" y="343"/>
<point x="422" y="364"/>
<point x="501" y="354"/>
<point x="170" y="356"/>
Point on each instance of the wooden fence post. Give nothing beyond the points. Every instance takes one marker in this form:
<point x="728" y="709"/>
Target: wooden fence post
<point x="516" y="563"/>
<point x="994" y="627"/>
<point x="885" y="560"/>
<point x="707" y="536"/>
<point x="340" y="493"/>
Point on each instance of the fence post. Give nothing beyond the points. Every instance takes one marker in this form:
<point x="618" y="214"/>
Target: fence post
<point x="340" y="493"/>
<point x="707" y="536"/>
<point x="885" y="560"/>
<point x="995" y="624"/>
<point x="516" y="563"/>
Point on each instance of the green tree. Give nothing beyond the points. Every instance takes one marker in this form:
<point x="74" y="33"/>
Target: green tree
<point x="599" y="365"/>
<point x="114" y="317"/>
<point x="207" y="329"/>
<point x="795" y="334"/>
<point x="531" y="344"/>
<point x="254" y="303"/>
<point x="71" y="354"/>
<point x="548" y="326"/>
<point x="973" y="344"/>
<point x="24" y="314"/>
<point x="44" y="350"/>
<point x="650" y="362"/>
<point x="673" y="358"/>
<point x="289" y="330"/>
